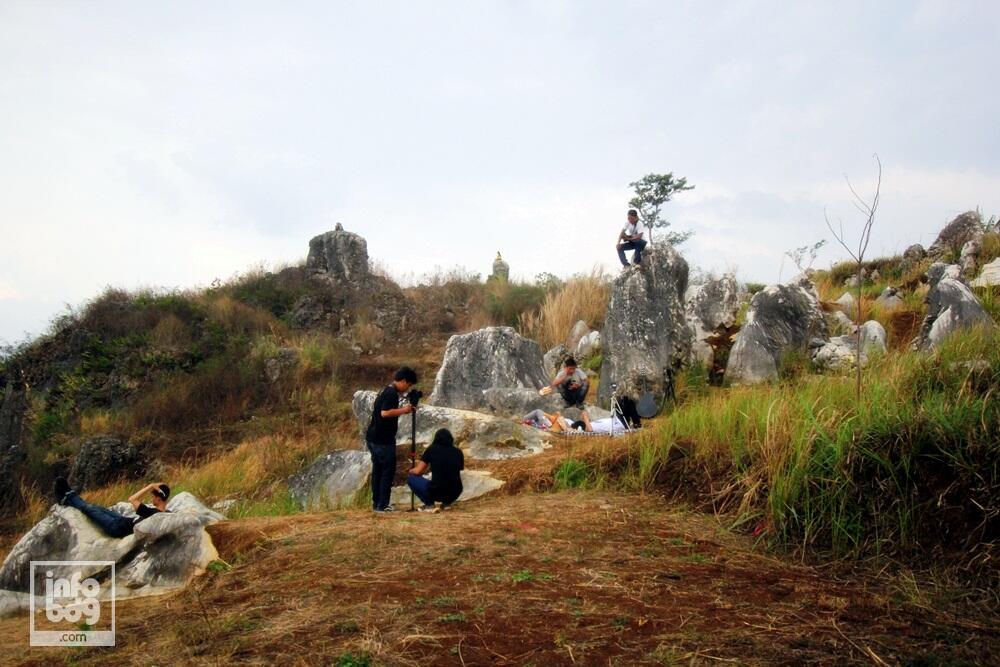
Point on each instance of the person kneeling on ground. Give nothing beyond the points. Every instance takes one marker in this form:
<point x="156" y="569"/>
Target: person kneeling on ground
<point x="445" y="461"/>
<point x="109" y="521"/>
<point x="572" y="383"/>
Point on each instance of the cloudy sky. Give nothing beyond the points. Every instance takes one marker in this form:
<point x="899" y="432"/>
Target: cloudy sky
<point x="162" y="144"/>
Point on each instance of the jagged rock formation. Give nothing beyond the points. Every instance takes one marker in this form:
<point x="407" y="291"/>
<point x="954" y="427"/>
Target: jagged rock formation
<point x="481" y="436"/>
<point x="711" y="307"/>
<point x="645" y="332"/>
<point x="332" y="480"/>
<point x="840" y="352"/>
<point x="951" y="306"/>
<point x="781" y="318"/>
<point x="165" y="552"/>
<point x="104" y="458"/>
<point x="963" y="228"/>
<point x="495" y="357"/>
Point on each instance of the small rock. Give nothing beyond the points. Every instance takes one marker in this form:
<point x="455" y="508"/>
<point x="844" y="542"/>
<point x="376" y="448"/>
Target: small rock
<point x="989" y="276"/>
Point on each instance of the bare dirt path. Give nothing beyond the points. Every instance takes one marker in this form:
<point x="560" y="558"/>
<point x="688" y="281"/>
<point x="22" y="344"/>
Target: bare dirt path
<point x="570" y="578"/>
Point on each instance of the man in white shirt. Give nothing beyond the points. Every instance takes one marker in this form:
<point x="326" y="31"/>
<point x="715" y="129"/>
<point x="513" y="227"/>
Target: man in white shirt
<point x="630" y="238"/>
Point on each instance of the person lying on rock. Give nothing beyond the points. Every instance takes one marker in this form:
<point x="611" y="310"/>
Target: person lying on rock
<point x="112" y="523"/>
<point x="554" y="422"/>
<point x="446" y="462"/>
<point x="630" y="238"/>
<point x="381" y="436"/>
<point x="609" y="425"/>
<point x="572" y="383"/>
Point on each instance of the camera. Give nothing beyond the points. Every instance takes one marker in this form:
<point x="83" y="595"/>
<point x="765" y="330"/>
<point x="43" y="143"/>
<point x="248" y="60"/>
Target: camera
<point x="614" y="386"/>
<point x="414" y="396"/>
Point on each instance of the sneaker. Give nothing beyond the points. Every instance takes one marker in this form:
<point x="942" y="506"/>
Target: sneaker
<point x="384" y="510"/>
<point x="446" y="508"/>
<point x="428" y="508"/>
<point x="61" y="490"/>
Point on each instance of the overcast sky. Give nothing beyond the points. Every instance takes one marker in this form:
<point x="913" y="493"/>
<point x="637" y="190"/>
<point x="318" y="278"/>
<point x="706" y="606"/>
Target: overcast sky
<point x="165" y="144"/>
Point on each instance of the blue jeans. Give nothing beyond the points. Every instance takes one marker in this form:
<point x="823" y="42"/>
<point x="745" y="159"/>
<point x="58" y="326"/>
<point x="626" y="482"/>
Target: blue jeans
<point x="631" y="245"/>
<point x="112" y="523"/>
<point x="383" y="471"/>
<point x="421" y="487"/>
<point x="573" y="397"/>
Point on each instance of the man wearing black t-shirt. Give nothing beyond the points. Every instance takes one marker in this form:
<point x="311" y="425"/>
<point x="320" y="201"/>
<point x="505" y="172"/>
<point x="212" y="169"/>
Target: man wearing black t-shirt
<point x="446" y="462"/>
<point x="381" y="435"/>
<point x="112" y="523"/>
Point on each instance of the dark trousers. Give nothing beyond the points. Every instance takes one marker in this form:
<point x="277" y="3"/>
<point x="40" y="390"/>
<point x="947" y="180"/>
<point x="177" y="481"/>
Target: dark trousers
<point x="112" y="523"/>
<point x="383" y="471"/>
<point x="421" y="487"/>
<point x="573" y="396"/>
<point x="631" y="245"/>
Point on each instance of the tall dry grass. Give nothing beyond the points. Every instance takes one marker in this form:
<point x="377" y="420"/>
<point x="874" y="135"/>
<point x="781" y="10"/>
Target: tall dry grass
<point x="583" y="297"/>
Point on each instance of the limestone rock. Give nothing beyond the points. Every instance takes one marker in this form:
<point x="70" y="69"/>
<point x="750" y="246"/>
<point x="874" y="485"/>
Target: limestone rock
<point x="989" y="276"/>
<point x="579" y="330"/>
<point x="710" y="306"/>
<point x="332" y="480"/>
<point x="589" y="345"/>
<point x="781" y="318"/>
<point x="847" y="302"/>
<point x="970" y="256"/>
<point x="914" y="253"/>
<point x="475" y="483"/>
<point x="165" y="552"/>
<point x="939" y="270"/>
<point x="481" y="436"/>
<point x="484" y="359"/>
<point x="645" y="331"/>
<point x="889" y="299"/>
<point x="552" y="360"/>
<point x="281" y="365"/>
<point x="951" y="306"/>
<point x="842" y="322"/>
<point x="515" y="402"/>
<point x="840" y="352"/>
<point x="340" y="255"/>
<point x="102" y="459"/>
<point x="965" y="227"/>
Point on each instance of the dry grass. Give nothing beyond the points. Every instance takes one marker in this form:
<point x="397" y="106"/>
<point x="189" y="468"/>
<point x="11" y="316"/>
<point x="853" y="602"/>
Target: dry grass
<point x="583" y="297"/>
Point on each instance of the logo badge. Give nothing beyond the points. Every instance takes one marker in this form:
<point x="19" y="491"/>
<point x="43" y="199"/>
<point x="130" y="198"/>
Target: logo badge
<point x="72" y="603"/>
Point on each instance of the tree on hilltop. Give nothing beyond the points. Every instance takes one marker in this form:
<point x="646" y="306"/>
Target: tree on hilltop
<point x="653" y="191"/>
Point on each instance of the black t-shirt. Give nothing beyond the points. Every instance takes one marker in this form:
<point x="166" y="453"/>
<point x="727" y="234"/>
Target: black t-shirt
<point x="382" y="430"/>
<point x="144" y="511"/>
<point x="445" y="461"/>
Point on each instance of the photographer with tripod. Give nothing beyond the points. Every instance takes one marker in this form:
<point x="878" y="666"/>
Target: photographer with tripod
<point x="381" y="435"/>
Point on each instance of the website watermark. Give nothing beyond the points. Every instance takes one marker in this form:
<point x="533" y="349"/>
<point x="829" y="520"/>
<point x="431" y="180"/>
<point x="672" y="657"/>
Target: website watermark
<point x="71" y="599"/>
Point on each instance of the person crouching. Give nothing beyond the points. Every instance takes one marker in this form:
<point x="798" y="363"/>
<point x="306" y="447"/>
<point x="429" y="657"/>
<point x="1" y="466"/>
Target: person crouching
<point x="446" y="462"/>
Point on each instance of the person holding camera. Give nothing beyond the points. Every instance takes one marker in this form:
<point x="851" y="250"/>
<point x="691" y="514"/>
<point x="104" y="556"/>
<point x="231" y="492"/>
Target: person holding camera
<point x="630" y="238"/>
<point x="572" y="383"/>
<point x="381" y="435"/>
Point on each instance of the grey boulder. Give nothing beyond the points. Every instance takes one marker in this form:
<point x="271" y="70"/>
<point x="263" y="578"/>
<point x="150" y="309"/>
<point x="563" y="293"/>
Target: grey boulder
<point x="589" y="345"/>
<point x="579" y="330"/>
<point x="840" y="352"/>
<point x="711" y="306"/>
<point x="332" y="480"/>
<point x="102" y="459"/>
<point x="484" y="359"/>
<point x="339" y="255"/>
<point x="951" y="306"/>
<point x="889" y="299"/>
<point x="552" y="360"/>
<point x="781" y="318"/>
<point x="963" y="228"/>
<point x="514" y="402"/>
<point x="645" y="330"/>
<point x="989" y="276"/>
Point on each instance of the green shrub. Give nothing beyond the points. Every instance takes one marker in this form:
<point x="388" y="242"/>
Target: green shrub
<point x="571" y="474"/>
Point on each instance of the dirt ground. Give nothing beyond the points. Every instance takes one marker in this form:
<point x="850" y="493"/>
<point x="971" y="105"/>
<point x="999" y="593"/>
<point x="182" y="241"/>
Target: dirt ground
<point x="568" y="578"/>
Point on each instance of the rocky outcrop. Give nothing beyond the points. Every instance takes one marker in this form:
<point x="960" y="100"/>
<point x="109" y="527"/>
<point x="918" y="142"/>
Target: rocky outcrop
<point x="589" y="345"/>
<point x="481" y="436"/>
<point x="282" y="364"/>
<point x="645" y="331"/>
<point x="332" y="480"/>
<point x="840" y="352"/>
<point x="951" y="306"/>
<point x="989" y="276"/>
<point x="102" y="459"/>
<point x="939" y="270"/>
<point x="710" y="307"/>
<point x="164" y="554"/>
<point x="781" y="319"/>
<point x="957" y="233"/>
<point x="339" y="255"/>
<point x="484" y="359"/>
<point x="579" y="330"/>
<point x="912" y="256"/>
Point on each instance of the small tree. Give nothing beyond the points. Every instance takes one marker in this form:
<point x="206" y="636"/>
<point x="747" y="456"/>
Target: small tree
<point x="653" y="191"/>
<point x="867" y="209"/>
<point x="804" y="256"/>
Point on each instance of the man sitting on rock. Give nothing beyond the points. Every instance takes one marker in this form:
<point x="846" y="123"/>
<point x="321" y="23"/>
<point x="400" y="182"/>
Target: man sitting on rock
<point x="630" y="238"/>
<point x="572" y="383"/>
<point x="111" y="522"/>
<point x="446" y="462"/>
<point x="381" y="435"/>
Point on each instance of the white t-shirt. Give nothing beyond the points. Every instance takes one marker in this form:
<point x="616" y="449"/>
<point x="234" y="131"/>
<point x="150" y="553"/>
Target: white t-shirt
<point x="633" y="229"/>
<point x="607" y="425"/>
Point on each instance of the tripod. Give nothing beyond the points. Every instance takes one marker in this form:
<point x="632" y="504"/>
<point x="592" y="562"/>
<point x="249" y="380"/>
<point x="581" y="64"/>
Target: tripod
<point x="616" y="410"/>
<point x="413" y="398"/>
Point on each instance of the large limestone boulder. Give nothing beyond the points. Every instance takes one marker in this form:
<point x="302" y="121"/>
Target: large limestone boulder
<point x="989" y="276"/>
<point x="589" y="345"/>
<point x="579" y="330"/>
<point x="484" y="359"/>
<point x="912" y="256"/>
<point x="711" y="306"/>
<point x="164" y="554"/>
<point x="332" y="480"/>
<point x="964" y="228"/>
<point x="645" y="331"/>
<point x="781" y="318"/>
<point x="514" y="402"/>
<point x="481" y="436"/>
<point x="939" y="270"/>
<point x="951" y="306"/>
<point x="102" y="459"/>
<point x="340" y="255"/>
<point x="840" y="352"/>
